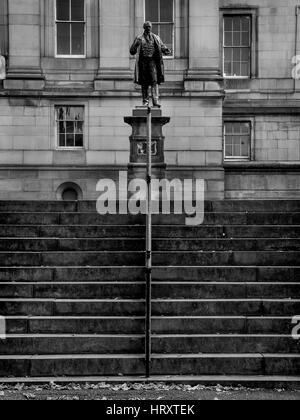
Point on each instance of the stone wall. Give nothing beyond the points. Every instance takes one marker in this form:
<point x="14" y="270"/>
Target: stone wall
<point x="28" y="140"/>
<point x="275" y="181"/>
<point x="277" y="138"/>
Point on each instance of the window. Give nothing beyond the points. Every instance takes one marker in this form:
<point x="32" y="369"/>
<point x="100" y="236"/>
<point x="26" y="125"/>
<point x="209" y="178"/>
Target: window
<point x="237" y="140"/>
<point x="4" y="28"/>
<point x="70" y="28"/>
<point x="70" y="126"/>
<point x="237" y="45"/>
<point x="161" y="14"/>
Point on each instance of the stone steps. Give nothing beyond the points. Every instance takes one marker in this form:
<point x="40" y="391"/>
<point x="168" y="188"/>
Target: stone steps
<point x="160" y="307"/>
<point x="160" y="290"/>
<point x="138" y="244"/>
<point x="72" y="288"/>
<point x="137" y="258"/>
<point x="159" y="232"/>
<point x="160" y="325"/>
<point x="171" y="273"/>
<point x="210" y="206"/>
<point x="228" y="218"/>
<point x="205" y="364"/>
<point x="56" y="344"/>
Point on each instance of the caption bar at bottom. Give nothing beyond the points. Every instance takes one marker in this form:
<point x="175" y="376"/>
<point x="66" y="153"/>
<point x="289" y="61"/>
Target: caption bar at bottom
<point x="149" y="408"/>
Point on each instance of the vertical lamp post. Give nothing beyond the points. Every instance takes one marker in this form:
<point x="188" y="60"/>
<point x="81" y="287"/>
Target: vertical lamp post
<point x="149" y="244"/>
<point x="147" y="157"/>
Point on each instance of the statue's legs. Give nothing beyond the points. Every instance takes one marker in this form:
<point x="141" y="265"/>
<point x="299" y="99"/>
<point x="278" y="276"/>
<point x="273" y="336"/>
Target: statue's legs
<point x="155" y="96"/>
<point x="146" y="96"/>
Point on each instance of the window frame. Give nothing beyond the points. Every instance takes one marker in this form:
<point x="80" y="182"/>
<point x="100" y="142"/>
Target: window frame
<point x="250" y="156"/>
<point x="246" y="11"/>
<point x="162" y="23"/>
<point x="4" y="29"/>
<point x="70" y="22"/>
<point x="66" y="148"/>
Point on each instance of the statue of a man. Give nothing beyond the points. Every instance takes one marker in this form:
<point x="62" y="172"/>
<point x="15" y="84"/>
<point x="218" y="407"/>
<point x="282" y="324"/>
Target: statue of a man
<point x="149" y="69"/>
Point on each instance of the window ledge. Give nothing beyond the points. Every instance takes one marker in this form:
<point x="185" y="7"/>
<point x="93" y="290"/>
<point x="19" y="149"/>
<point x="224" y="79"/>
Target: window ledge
<point x="262" y="166"/>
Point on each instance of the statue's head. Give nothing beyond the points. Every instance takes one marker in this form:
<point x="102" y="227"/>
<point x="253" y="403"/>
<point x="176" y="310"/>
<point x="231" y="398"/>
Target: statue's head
<point x="148" y="27"/>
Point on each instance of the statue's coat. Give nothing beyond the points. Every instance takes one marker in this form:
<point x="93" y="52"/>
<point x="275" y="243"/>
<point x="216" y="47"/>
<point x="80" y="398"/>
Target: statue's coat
<point x="160" y="49"/>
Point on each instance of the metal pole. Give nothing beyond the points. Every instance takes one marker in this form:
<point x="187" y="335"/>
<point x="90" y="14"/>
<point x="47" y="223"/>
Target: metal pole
<point x="149" y="245"/>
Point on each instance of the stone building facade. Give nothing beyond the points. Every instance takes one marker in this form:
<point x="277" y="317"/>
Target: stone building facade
<point x="231" y="91"/>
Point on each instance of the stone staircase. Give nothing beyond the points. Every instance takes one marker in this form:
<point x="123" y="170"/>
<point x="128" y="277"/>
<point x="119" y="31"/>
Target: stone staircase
<point x="72" y="291"/>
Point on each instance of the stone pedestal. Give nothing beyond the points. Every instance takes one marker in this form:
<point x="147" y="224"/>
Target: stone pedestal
<point x="138" y="143"/>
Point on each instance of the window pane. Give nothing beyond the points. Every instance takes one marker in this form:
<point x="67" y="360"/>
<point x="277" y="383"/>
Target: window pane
<point x="237" y="23"/>
<point x="63" y="9"/>
<point x="228" y="128"/>
<point x="245" y="41"/>
<point x="237" y="54"/>
<point x="76" y="113"/>
<point x="166" y="34"/>
<point x="79" y="127"/>
<point x="228" y="24"/>
<point x="62" y="127"/>
<point x="245" y="70"/>
<point x="228" y="39"/>
<point x="236" y="39"/>
<point x="244" y="146"/>
<point x="78" y="10"/>
<point x="245" y="54"/>
<point x="245" y="128"/>
<point x="155" y="30"/>
<point x="228" y="54"/>
<point x="70" y="140"/>
<point x="62" y="140"/>
<point x="70" y="127"/>
<point x="166" y="10"/>
<point x="236" y="128"/>
<point x="78" y="140"/>
<point x="236" y="148"/>
<point x="77" y="38"/>
<point x="63" y="38"/>
<point x="227" y="68"/>
<point x="228" y="150"/>
<point x="152" y="10"/>
<point x="236" y="69"/>
<point x="246" y="23"/>
<point x="60" y="113"/>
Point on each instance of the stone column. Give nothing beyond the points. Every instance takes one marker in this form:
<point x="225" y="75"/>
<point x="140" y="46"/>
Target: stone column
<point x="204" y="53"/>
<point x="114" y="68"/>
<point x="24" y="70"/>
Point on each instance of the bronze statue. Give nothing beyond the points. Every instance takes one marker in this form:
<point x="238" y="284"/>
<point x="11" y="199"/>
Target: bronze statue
<point x="149" y="69"/>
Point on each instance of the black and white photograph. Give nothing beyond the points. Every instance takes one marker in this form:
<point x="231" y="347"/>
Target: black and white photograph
<point x="149" y="203"/>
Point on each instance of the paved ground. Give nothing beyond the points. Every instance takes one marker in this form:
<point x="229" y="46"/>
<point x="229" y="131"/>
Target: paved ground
<point x="135" y="392"/>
